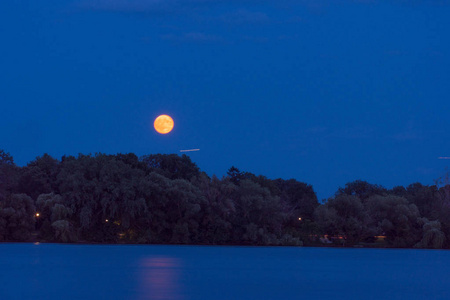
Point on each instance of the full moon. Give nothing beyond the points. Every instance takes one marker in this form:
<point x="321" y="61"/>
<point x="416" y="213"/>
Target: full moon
<point x="163" y="124"/>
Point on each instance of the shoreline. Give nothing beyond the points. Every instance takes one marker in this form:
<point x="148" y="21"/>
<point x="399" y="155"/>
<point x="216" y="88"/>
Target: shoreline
<point x="84" y="243"/>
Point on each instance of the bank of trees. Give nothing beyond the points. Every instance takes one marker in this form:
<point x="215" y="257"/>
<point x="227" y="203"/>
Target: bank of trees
<point x="167" y="199"/>
<point x="415" y="216"/>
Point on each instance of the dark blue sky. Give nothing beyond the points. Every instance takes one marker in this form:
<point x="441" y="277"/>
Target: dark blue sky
<point x="322" y="91"/>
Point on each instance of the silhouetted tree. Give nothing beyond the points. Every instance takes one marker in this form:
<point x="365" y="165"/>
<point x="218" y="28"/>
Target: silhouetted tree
<point x="39" y="176"/>
<point x="171" y="166"/>
<point x="345" y="216"/>
<point x="216" y="225"/>
<point x="443" y="210"/>
<point x="235" y="175"/>
<point x="432" y="237"/>
<point x="396" y="218"/>
<point x="425" y="198"/>
<point x="167" y="199"/>
<point x="258" y="218"/>
<point x="17" y="217"/>
<point x="299" y="197"/>
<point x="8" y="174"/>
<point x="362" y="189"/>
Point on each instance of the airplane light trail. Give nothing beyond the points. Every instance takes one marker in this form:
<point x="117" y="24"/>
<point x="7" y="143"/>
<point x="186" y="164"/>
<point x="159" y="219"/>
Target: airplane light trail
<point x="444" y="157"/>
<point x="189" y="150"/>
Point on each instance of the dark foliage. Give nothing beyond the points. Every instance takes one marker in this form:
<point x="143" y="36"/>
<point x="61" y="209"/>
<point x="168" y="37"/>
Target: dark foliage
<point x="362" y="189"/>
<point x="167" y="199"/>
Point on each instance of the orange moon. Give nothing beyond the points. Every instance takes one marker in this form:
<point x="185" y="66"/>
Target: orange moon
<point x="163" y="124"/>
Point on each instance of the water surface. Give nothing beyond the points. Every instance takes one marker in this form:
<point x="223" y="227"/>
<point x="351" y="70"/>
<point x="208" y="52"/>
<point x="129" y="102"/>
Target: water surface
<point x="54" y="271"/>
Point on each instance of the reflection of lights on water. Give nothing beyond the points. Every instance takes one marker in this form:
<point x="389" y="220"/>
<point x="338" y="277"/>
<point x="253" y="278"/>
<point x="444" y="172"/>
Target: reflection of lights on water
<point x="160" y="278"/>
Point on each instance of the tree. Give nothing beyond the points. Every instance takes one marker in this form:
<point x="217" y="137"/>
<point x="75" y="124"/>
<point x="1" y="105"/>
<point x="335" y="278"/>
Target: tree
<point x="443" y="204"/>
<point x="432" y="236"/>
<point x="171" y="166"/>
<point x="395" y="218"/>
<point x="174" y="210"/>
<point x="425" y="198"/>
<point x="399" y="191"/>
<point x="216" y="226"/>
<point x="258" y="217"/>
<point x="39" y="176"/>
<point x="345" y="216"/>
<point x="8" y="174"/>
<point x="299" y="197"/>
<point x="17" y="217"/>
<point x="184" y="207"/>
<point x="362" y="189"/>
<point x="78" y="183"/>
<point x="52" y="209"/>
<point x="235" y="175"/>
<point x="62" y="230"/>
<point x="106" y="194"/>
<point x="6" y="158"/>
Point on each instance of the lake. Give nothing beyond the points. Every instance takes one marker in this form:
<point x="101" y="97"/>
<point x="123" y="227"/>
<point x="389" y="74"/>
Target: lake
<point x="58" y="271"/>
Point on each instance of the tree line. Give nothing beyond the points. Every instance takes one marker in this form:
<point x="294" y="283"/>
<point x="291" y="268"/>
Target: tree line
<point x="167" y="199"/>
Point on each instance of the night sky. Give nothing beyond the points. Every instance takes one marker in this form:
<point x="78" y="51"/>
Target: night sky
<point x="323" y="91"/>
